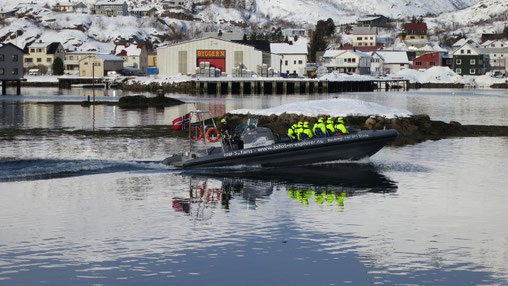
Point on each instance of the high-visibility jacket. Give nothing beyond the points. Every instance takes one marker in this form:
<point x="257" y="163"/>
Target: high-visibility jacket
<point x="299" y="131"/>
<point x="340" y="128"/>
<point x="329" y="126"/>
<point x="307" y="132"/>
<point x="292" y="132"/>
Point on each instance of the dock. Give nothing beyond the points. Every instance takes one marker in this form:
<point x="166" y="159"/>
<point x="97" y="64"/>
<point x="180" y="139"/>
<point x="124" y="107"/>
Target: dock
<point x="4" y="86"/>
<point x="293" y="86"/>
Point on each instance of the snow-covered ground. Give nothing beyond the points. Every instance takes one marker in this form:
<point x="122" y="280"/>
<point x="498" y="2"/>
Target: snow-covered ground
<point x="329" y="107"/>
<point x="432" y="75"/>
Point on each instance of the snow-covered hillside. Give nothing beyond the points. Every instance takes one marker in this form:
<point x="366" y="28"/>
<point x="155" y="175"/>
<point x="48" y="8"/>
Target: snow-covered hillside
<point x="91" y="32"/>
<point x="486" y="16"/>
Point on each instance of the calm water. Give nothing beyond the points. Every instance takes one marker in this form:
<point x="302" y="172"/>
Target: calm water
<point x="103" y="211"/>
<point x="465" y="106"/>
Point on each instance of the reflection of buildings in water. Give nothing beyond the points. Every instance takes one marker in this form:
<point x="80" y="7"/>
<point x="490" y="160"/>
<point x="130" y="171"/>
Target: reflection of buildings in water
<point x="216" y="108"/>
<point x="12" y="114"/>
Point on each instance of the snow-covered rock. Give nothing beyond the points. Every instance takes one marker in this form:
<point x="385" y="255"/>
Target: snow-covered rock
<point x="329" y="107"/>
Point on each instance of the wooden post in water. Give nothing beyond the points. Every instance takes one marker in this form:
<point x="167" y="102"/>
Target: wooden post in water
<point x="284" y="87"/>
<point x="205" y="87"/>
<point x="4" y="87"/>
<point x="297" y="87"/>
<point x="230" y="87"/>
<point x="242" y="86"/>
<point x="219" y="88"/>
<point x="274" y="87"/>
<point x="18" y="87"/>
<point x="262" y="88"/>
<point x="252" y="87"/>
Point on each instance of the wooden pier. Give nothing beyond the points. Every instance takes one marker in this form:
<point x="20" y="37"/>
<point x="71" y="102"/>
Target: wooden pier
<point x="67" y="82"/>
<point x="18" y="86"/>
<point x="292" y="86"/>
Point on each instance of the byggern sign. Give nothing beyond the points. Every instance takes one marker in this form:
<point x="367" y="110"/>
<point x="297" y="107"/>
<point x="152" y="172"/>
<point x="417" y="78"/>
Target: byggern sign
<point x="218" y="54"/>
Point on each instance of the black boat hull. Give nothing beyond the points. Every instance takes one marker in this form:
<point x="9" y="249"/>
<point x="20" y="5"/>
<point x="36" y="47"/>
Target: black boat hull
<point x="348" y="147"/>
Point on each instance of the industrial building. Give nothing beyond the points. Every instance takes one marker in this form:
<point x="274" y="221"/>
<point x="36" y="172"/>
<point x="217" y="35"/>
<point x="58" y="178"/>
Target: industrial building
<point x="185" y="57"/>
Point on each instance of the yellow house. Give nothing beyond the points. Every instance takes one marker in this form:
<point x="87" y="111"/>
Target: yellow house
<point x="414" y="31"/>
<point x="152" y="59"/>
<point x="42" y="54"/>
<point x="99" y="65"/>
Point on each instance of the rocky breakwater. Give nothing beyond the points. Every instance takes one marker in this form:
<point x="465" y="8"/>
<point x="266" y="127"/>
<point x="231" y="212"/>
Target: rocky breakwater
<point x="412" y="129"/>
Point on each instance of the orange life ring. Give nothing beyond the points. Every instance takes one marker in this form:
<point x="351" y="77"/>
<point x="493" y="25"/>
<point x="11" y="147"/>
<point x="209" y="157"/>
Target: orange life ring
<point x="209" y="132"/>
<point x="197" y="136"/>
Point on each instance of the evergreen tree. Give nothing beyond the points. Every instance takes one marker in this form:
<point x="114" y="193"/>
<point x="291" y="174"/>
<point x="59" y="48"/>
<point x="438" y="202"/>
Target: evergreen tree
<point x="320" y="36"/>
<point x="58" y="67"/>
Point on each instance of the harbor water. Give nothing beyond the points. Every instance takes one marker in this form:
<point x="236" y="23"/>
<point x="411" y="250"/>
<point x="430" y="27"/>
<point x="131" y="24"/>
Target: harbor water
<point x="82" y="210"/>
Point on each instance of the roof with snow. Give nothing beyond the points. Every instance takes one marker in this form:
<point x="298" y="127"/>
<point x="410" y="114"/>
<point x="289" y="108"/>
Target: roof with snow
<point x="110" y="2"/>
<point x="392" y="57"/>
<point x="364" y="30"/>
<point x="261" y="45"/>
<point x="365" y="49"/>
<point x="109" y="58"/>
<point x="51" y="47"/>
<point x="10" y="44"/>
<point x="228" y="36"/>
<point x="461" y="42"/>
<point x="472" y="46"/>
<point x="129" y="49"/>
<point x="297" y="48"/>
<point x="336" y="53"/>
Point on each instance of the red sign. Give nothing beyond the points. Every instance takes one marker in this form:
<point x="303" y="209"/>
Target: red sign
<point x="211" y="54"/>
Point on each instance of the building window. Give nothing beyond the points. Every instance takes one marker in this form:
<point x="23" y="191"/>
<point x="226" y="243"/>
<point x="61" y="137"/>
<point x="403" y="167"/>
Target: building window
<point x="15" y="71"/>
<point x="286" y="62"/>
<point x="48" y="60"/>
<point x="472" y="71"/>
<point x="71" y="57"/>
<point x="359" y="38"/>
<point x="300" y="62"/>
<point x="32" y="50"/>
<point x="29" y="60"/>
<point x="468" y="51"/>
<point x="472" y="62"/>
<point x="459" y="71"/>
<point x="39" y="60"/>
<point x="39" y="50"/>
<point x="2" y="71"/>
<point x="85" y="63"/>
<point x="294" y="62"/>
<point x="461" y="51"/>
<point x="458" y="61"/>
<point x="14" y="58"/>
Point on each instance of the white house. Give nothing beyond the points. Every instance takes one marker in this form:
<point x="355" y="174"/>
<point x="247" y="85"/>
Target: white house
<point x="347" y="61"/>
<point x="364" y="36"/>
<point x="389" y="62"/>
<point x="293" y="56"/>
<point x="111" y="8"/>
<point x="135" y="55"/>
<point x="495" y="44"/>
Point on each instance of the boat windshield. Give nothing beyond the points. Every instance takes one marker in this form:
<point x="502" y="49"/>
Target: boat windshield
<point x="241" y="129"/>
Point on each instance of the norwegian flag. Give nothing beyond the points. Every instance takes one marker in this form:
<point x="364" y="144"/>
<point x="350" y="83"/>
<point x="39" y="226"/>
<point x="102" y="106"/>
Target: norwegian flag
<point x="182" y="122"/>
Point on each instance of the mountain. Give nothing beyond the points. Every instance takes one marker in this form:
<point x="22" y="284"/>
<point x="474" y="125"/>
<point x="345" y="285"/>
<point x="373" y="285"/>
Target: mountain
<point x="91" y="32"/>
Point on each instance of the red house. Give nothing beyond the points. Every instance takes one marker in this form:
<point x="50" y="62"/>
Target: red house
<point x="427" y="61"/>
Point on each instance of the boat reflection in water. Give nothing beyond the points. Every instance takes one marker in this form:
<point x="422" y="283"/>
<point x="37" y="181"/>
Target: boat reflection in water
<point x="324" y="184"/>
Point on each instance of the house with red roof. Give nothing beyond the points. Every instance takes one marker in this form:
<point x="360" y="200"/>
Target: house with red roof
<point x="414" y="31"/>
